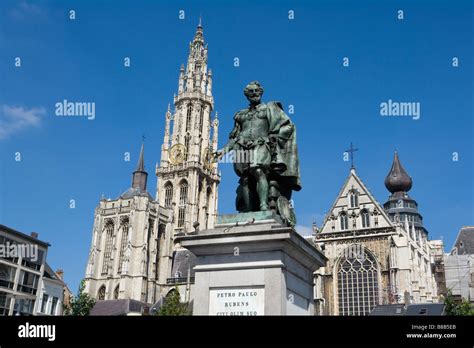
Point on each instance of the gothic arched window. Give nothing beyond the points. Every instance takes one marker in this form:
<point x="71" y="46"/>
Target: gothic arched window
<point x="183" y="200"/>
<point x="344" y="221"/>
<point x="201" y="120"/>
<point x="365" y="218"/>
<point x="116" y="292"/>
<point x="123" y="246"/>
<point x="187" y="138"/>
<point x="353" y="198"/>
<point x="168" y="194"/>
<point x="109" y="230"/>
<point x="357" y="282"/>
<point x="188" y="117"/>
<point x="101" y="293"/>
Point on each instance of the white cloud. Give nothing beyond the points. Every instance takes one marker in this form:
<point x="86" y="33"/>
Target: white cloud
<point x="25" y="9"/>
<point x="304" y="230"/>
<point x="14" y="119"/>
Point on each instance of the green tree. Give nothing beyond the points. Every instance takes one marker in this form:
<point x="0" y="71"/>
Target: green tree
<point x="80" y="304"/>
<point x="173" y="306"/>
<point x="453" y="308"/>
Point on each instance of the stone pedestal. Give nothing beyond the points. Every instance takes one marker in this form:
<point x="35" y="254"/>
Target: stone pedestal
<point x="251" y="264"/>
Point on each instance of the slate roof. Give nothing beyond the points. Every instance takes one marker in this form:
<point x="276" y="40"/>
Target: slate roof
<point x="411" y="310"/>
<point x="426" y="309"/>
<point x="118" y="307"/>
<point x="465" y="241"/>
<point x="23" y="235"/>
<point x="397" y="309"/>
<point x="50" y="274"/>
<point x="136" y="191"/>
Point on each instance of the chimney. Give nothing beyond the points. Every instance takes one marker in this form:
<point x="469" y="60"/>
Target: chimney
<point x="34" y="235"/>
<point x="60" y="273"/>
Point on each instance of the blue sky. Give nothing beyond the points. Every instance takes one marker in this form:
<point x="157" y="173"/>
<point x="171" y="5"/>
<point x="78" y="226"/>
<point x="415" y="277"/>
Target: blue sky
<point x="299" y="62"/>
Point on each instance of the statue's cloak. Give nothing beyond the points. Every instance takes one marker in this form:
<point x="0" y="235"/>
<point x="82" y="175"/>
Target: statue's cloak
<point x="286" y="149"/>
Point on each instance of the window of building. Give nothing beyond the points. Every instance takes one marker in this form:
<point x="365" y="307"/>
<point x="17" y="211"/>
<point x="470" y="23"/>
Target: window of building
<point x="123" y="245"/>
<point x="54" y="304"/>
<point x="188" y="118"/>
<point x="5" y="300"/>
<point x="357" y="283"/>
<point x="101" y="293"/>
<point x="116" y="292"/>
<point x="109" y="230"/>
<point x="23" y="307"/>
<point x="7" y="276"/>
<point x="365" y="218"/>
<point x="353" y="198"/>
<point x="168" y="195"/>
<point x="44" y="303"/>
<point x="28" y="282"/>
<point x="344" y="221"/>
<point x="201" y="120"/>
<point x="183" y="199"/>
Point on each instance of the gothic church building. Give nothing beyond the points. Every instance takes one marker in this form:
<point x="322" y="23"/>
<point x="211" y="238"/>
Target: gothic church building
<point x="132" y="254"/>
<point x="376" y="254"/>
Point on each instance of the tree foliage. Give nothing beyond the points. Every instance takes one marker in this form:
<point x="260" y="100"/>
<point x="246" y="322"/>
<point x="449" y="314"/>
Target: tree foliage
<point x="173" y="306"/>
<point x="453" y="308"/>
<point x="81" y="304"/>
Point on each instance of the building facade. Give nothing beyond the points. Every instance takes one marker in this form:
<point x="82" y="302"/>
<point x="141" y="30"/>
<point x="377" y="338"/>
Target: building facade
<point x="51" y="293"/>
<point x="132" y="254"/>
<point x="26" y="279"/>
<point x="376" y="255"/>
<point x="459" y="266"/>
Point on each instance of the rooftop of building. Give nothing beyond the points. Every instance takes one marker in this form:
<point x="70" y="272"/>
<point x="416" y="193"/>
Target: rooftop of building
<point x="30" y="238"/>
<point x="410" y="310"/>
<point x="118" y="307"/>
<point x="464" y="244"/>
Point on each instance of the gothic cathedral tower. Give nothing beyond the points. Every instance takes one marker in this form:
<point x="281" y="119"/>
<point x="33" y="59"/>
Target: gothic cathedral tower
<point x="187" y="180"/>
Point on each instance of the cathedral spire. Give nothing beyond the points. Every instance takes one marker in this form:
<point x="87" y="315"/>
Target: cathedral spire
<point x="139" y="177"/>
<point x="397" y="179"/>
<point x="198" y="37"/>
<point x="190" y="132"/>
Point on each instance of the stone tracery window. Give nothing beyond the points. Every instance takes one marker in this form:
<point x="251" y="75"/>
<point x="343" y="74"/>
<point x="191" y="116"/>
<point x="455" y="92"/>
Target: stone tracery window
<point x="201" y="120"/>
<point x="365" y="218"/>
<point x="188" y="117"/>
<point x="168" y="195"/>
<point x="101" y="293"/>
<point x="357" y="283"/>
<point x="353" y="198"/>
<point x="344" y="221"/>
<point x="109" y="231"/>
<point x="123" y="246"/>
<point x="183" y="200"/>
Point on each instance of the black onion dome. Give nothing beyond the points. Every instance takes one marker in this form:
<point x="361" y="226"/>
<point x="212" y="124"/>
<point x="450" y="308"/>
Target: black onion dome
<point x="397" y="179"/>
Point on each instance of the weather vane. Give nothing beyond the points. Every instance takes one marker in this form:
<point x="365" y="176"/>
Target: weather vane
<point x="351" y="151"/>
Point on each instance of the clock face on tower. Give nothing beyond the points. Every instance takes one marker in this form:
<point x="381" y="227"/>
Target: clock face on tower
<point x="177" y="154"/>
